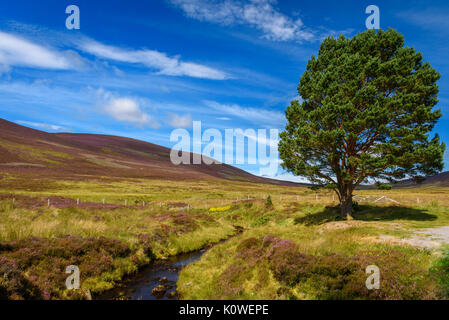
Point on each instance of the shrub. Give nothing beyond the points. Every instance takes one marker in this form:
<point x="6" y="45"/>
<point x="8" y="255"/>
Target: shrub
<point x="269" y="203"/>
<point x="13" y="283"/>
<point x="384" y="186"/>
<point x="248" y="205"/>
<point x="328" y="277"/>
<point x="261" y="221"/>
<point x="44" y="262"/>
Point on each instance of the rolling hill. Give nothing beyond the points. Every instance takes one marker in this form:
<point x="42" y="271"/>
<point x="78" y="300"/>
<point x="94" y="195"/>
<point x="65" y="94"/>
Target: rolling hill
<point x="438" y="180"/>
<point x="29" y="152"/>
<point x="26" y="151"/>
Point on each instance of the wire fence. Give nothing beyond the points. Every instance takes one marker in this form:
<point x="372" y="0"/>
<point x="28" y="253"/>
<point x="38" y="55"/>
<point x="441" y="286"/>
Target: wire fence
<point x="381" y="199"/>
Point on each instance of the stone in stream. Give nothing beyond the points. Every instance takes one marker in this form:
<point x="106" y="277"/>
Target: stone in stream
<point x="122" y="296"/>
<point x="163" y="280"/>
<point x="172" y="295"/>
<point x="159" y="291"/>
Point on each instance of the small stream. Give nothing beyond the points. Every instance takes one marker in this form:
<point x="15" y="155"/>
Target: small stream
<point x="163" y="273"/>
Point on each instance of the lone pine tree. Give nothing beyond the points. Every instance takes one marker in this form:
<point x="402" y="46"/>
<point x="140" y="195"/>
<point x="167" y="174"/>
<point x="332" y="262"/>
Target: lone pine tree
<point x="366" y="114"/>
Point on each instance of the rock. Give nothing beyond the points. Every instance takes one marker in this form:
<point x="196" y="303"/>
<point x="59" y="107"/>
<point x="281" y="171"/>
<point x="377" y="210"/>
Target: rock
<point x="88" y="294"/>
<point x="159" y="291"/>
<point x="172" y="295"/>
<point x="123" y="297"/>
<point x="163" y="280"/>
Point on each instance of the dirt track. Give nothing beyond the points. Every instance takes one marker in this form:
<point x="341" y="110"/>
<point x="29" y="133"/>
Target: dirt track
<point x="424" y="238"/>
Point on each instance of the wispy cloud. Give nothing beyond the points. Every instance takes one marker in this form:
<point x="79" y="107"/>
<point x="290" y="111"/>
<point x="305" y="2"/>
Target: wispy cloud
<point x="43" y="126"/>
<point x="259" y="14"/>
<point x="18" y="51"/>
<point x="171" y="66"/>
<point x="177" y="121"/>
<point x="255" y="115"/>
<point x="428" y="18"/>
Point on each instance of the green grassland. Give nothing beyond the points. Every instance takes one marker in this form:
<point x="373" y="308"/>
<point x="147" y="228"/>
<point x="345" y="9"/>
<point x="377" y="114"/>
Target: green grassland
<point x="231" y="271"/>
<point x="182" y="216"/>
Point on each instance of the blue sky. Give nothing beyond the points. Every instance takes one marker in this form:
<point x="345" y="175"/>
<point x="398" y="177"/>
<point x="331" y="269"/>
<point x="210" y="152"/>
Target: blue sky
<point x="144" y="68"/>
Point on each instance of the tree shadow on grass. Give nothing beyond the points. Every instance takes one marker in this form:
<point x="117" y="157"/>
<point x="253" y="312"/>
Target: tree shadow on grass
<point x="367" y="213"/>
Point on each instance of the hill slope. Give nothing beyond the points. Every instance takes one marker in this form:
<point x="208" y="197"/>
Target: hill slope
<point x="438" y="180"/>
<point x="67" y="155"/>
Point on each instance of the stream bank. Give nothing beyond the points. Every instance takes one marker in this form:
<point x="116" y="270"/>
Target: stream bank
<point x="157" y="281"/>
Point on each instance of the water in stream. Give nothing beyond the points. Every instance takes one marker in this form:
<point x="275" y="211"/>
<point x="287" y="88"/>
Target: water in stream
<point x="161" y="273"/>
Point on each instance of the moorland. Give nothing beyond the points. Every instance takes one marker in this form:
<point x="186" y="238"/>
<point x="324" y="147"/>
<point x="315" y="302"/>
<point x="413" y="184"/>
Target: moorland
<point x="112" y="205"/>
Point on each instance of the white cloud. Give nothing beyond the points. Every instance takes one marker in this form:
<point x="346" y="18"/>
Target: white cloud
<point x="260" y="14"/>
<point x="152" y="59"/>
<point x="129" y="110"/>
<point x="265" y="141"/>
<point x="17" y="51"/>
<point x="177" y="121"/>
<point x="43" y="126"/>
<point x="255" y="115"/>
<point x="287" y="176"/>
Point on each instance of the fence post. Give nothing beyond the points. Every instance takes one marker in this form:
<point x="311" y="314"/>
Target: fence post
<point x="103" y="201"/>
<point x="48" y="203"/>
<point x="77" y="201"/>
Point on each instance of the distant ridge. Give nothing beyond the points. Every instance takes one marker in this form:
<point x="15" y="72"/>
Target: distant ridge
<point x="25" y="150"/>
<point x="438" y="180"/>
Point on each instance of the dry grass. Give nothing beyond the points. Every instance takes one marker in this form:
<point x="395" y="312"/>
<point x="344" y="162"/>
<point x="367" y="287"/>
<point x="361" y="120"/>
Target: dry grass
<point x="298" y="214"/>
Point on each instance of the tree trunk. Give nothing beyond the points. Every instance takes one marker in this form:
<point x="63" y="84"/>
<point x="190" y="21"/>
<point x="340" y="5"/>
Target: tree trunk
<point x="346" y="205"/>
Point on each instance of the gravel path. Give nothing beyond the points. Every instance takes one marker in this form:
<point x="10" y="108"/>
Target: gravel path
<point x="425" y="238"/>
<point x="439" y="235"/>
